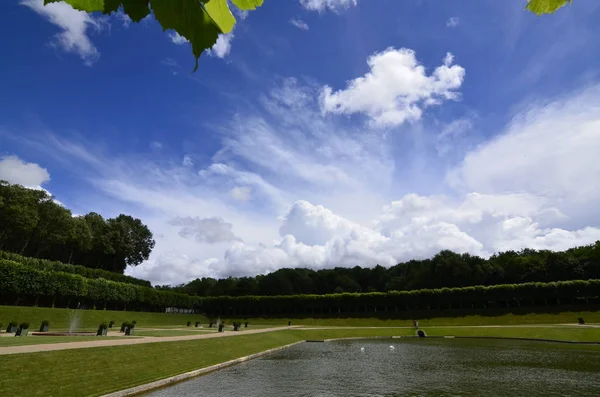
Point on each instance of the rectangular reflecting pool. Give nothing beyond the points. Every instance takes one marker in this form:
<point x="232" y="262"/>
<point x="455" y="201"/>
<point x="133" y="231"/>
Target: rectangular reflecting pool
<point x="431" y="367"/>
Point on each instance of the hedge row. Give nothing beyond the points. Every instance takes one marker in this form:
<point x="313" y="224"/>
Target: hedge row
<point x="465" y="297"/>
<point x="44" y="264"/>
<point x="19" y="281"/>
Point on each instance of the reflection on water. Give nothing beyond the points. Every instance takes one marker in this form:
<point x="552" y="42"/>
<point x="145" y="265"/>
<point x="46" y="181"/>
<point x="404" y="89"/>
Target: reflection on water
<point x="433" y="367"/>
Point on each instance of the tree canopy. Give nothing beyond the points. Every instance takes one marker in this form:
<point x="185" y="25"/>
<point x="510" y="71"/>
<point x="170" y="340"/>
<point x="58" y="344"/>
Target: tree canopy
<point x="33" y="224"/>
<point x="445" y="270"/>
<point x="202" y="21"/>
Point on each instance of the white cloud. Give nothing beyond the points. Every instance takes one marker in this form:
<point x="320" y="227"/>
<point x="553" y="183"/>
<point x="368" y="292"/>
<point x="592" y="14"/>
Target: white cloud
<point x="296" y="189"/>
<point x="222" y="47"/>
<point x="75" y="26"/>
<point x="396" y="89"/>
<point x="241" y="193"/>
<point x="452" y="22"/>
<point x="156" y="145"/>
<point x="187" y="161"/>
<point x="123" y="18"/>
<point x="176" y="38"/>
<point x="331" y="5"/>
<point x="549" y="150"/>
<point x="14" y="170"/>
<point x="300" y="24"/>
<point x="205" y="230"/>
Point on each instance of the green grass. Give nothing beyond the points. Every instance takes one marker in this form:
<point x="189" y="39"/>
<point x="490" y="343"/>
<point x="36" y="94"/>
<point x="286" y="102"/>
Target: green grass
<point x="574" y="334"/>
<point x="89" y="319"/>
<point x="447" y="318"/>
<point x="96" y="371"/>
<point x="41" y="340"/>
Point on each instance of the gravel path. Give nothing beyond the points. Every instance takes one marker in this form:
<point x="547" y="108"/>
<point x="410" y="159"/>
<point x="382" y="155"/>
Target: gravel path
<point x="120" y="342"/>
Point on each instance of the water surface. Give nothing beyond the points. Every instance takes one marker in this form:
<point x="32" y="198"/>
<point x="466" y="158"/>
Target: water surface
<point x="440" y="367"/>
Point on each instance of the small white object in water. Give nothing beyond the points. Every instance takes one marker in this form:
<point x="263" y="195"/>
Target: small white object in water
<point x="391" y="347"/>
<point x="362" y="349"/>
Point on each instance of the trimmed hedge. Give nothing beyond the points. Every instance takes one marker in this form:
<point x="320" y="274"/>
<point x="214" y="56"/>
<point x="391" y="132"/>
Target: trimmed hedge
<point x="44" y="264"/>
<point x="506" y="295"/>
<point x="20" y="281"/>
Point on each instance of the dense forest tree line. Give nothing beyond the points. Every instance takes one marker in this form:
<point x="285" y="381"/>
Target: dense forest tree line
<point x="446" y="269"/>
<point x="33" y="224"/>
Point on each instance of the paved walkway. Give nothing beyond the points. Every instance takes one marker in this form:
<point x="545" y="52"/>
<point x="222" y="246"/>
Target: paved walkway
<point x="133" y="341"/>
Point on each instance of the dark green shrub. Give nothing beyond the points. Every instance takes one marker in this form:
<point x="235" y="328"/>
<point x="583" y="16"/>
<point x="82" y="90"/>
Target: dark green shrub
<point x="103" y="326"/>
<point x="45" y="322"/>
<point x="13" y="324"/>
<point x="24" y="325"/>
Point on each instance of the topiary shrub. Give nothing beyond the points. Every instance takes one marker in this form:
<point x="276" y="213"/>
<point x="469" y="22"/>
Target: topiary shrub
<point x="129" y="328"/>
<point x="111" y="324"/>
<point x="102" y="329"/>
<point x="45" y="326"/>
<point x="23" y="329"/>
<point x="123" y="326"/>
<point x="12" y="327"/>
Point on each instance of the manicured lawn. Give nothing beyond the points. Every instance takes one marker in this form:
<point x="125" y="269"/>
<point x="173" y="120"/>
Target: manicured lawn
<point x="89" y="319"/>
<point x="447" y="318"/>
<point x="40" y="340"/>
<point x="96" y="371"/>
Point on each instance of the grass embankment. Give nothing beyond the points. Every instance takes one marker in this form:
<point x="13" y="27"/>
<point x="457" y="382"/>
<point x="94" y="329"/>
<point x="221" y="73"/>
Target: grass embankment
<point x="96" y="371"/>
<point x="445" y="319"/>
<point x="89" y="319"/>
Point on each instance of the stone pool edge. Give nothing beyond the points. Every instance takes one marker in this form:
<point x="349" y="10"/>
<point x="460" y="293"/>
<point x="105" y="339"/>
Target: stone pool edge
<point x="136" y="390"/>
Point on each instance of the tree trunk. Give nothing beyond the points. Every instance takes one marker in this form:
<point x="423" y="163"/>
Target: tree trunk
<point x="26" y="244"/>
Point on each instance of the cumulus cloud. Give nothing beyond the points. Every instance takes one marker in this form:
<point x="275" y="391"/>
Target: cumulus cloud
<point x="396" y="89"/>
<point x="326" y="193"/>
<point x="300" y="24"/>
<point x="549" y="150"/>
<point x="205" y="230"/>
<point x="452" y="22"/>
<point x="14" y="170"/>
<point x="74" y="24"/>
<point x="222" y="47"/>
<point x="331" y="5"/>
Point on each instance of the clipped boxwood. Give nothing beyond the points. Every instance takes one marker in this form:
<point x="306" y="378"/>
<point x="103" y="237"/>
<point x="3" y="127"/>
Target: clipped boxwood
<point x="11" y="327"/>
<point x="102" y="329"/>
<point x="129" y="328"/>
<point x="45" y="326"/>
<point x="23" y="329"/>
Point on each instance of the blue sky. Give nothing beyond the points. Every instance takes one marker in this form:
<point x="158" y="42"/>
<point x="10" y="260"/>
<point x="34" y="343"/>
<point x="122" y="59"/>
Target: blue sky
<point x="319" y="133"/>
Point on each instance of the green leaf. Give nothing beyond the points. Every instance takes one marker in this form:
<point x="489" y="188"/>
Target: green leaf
<point x="540" y="7"/>
<point x="220" y="13"/>
<point x="136" y="9"/>
<point x="111" y="6"/>
<point x="82" y="5"/>
<point x="247" y="4"/>
<point x="190" y="20"/>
